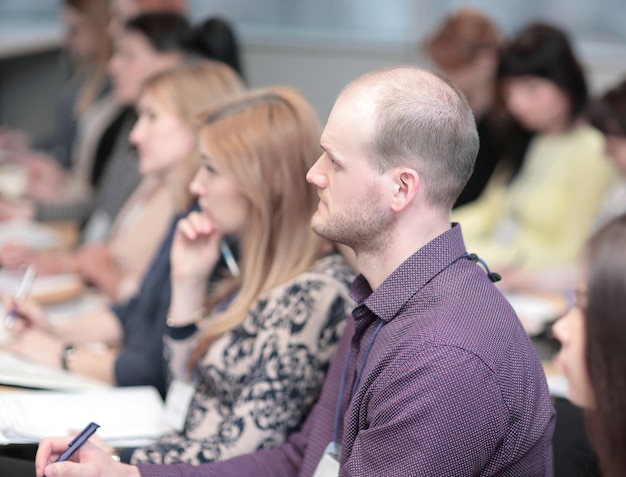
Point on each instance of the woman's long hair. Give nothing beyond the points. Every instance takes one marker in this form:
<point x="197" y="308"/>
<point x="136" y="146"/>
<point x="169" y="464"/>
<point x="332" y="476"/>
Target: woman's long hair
<point x="187" y="91"/>
<point x="605" y="324"/>
<point x="265" y="140"/>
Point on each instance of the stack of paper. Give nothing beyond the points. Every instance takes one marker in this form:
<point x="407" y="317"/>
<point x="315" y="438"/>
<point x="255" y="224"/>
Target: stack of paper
<point x="130" y="416"/>
<point x="536" y="311"/>
<point x="46" y="288"/>
<point x="32" y="234"/>
<point x="15" y="371"/>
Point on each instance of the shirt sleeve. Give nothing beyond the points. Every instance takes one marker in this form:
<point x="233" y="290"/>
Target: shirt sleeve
<point x="263" y="379"/>
<point x="282" y="461"/>
<point x="433" y="406"/>
<point x="140" y="360"/>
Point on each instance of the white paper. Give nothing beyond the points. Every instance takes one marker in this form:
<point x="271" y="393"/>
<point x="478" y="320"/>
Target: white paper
<point x="26" y="232"/>
<point x="15" y="371"/>
<point x="557" y="384"/>
<point x="45" y="287"/>
<point x="126" y="415"/>
<point x="179" y="397"/>
<point x="534" y="311"/>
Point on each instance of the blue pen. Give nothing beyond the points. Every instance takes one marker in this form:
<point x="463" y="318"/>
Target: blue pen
<point x="229" y="258"/>
<point x="78" y="441"/>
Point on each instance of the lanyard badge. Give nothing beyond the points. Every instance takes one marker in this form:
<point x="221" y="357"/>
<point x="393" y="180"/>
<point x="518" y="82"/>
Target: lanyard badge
<point x="328" y="465"/>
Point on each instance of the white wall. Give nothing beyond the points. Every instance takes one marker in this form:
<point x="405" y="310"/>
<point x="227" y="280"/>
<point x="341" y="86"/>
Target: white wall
<point x="318" y="69"/>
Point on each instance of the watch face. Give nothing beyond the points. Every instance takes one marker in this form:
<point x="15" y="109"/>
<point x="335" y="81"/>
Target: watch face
<point x="69" y="353"/>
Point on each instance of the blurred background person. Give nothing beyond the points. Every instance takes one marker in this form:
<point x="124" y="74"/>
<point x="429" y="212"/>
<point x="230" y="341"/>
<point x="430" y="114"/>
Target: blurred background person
<point x="165" y="135"/>
<point x="608" y="114"/>
<point x="592" y="338"/>
<point x="538" y="217"/>
<point x="121" y="11"/>
<point x="150" y="43"/>
<point x="465" y="49"/>
<point x="88" y="47"/>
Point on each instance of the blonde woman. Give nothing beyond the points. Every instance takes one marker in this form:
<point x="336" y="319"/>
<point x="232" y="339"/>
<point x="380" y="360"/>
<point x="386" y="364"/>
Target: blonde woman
<point x="256" y="358"/>
<point x="165" y="136"/>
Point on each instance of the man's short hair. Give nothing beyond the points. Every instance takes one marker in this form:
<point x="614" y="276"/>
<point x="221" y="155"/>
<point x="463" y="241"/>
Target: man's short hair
<point x="424" y="122"/>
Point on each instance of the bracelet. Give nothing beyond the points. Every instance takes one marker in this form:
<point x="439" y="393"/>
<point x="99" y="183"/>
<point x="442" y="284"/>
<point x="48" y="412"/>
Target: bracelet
<point x="68" y="353"/>
<point x="195" y="318"/>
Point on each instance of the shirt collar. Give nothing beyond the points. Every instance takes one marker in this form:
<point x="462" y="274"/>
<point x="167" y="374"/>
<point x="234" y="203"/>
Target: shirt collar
<point x="409" y="278"/>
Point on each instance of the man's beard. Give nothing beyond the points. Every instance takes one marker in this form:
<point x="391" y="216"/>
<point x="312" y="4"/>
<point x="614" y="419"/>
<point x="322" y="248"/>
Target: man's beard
<point x="363" y="227"/>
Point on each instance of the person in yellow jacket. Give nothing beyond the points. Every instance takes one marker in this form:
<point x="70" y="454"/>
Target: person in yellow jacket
<point x="539" y="218"/>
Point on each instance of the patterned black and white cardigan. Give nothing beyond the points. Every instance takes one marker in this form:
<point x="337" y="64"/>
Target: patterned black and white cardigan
<point x="258" y="382"/>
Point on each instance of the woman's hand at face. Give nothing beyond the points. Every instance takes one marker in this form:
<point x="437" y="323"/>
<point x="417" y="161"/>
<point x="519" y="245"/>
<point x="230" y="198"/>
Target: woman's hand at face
<point x="87" y="461"/>
<point x="195" y="250"/>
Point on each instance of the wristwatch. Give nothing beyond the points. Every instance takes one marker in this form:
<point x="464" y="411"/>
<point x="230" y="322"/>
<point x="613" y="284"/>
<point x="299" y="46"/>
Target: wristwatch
<point x="69" y="353"/>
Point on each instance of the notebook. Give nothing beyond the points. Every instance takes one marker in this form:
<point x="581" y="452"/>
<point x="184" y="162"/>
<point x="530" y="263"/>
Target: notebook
<point x="128" y="416"/>
<point x="536" y="311"/>
<point x="15" y="371"/>
<point x="46" y="288"/>
<point x="32" y="234"/>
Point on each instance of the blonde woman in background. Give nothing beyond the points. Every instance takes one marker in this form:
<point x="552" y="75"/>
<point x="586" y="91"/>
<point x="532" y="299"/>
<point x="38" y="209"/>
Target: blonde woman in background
<point x="165" y="136"/>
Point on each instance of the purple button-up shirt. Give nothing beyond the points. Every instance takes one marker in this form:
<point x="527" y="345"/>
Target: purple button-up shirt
<point x="451" y="385"/>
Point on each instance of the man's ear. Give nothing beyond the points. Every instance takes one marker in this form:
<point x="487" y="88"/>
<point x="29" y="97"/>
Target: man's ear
<point x="407" y="183"/>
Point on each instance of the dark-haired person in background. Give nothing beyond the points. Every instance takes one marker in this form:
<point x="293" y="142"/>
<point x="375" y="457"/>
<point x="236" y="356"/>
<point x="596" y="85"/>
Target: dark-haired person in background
<point x="120" y="11"/>
<point x="540" y="218"/>
<point x="217" y="39"/>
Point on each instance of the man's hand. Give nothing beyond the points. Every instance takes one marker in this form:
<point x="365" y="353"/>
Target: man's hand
<point x="87" y="461"/>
